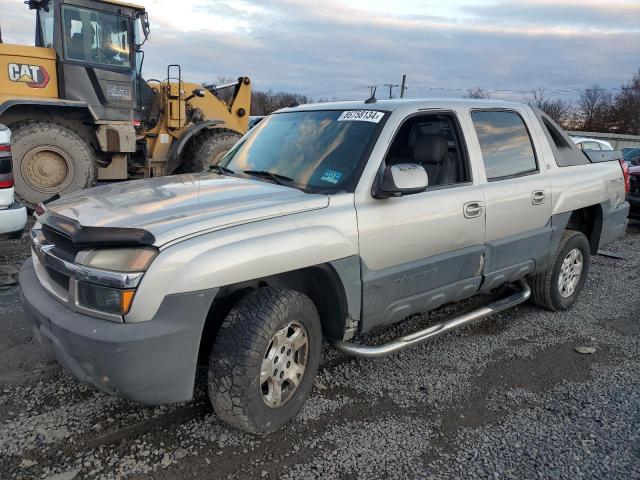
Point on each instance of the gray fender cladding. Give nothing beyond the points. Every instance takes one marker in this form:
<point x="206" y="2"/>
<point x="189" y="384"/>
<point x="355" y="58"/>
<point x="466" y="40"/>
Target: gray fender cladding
<point x="151" y="362"/>
<point x="614" y="222"/>
<point x="348" y="269"/>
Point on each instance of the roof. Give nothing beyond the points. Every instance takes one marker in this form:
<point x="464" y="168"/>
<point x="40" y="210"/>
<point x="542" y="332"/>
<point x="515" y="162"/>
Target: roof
<point x="405" y="103"/>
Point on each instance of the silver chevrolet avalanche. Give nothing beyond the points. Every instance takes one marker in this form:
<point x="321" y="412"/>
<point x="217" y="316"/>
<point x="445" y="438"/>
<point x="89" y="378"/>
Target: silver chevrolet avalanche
<point x="323" y="222"/>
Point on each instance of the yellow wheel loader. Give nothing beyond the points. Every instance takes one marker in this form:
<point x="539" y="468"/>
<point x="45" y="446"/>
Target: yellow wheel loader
<point x="80" y="110"/>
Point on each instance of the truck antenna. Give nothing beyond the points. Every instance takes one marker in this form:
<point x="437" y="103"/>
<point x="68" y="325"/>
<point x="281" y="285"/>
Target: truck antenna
<point x="372" y="98"/>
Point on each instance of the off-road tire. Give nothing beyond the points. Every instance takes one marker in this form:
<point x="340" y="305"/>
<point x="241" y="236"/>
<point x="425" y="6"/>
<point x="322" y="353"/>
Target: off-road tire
<point x="80" y="172"/>
<point x="207" y="148"/>
<point x="544" y="287"/>
<point x="239" y="349"/>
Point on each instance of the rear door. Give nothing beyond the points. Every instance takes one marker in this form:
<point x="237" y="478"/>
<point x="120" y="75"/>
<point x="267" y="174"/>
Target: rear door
<point x="517" y="195"/>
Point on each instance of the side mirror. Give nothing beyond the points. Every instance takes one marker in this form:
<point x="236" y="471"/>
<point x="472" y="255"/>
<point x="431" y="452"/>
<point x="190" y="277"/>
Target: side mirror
<point x="402" y="179"/>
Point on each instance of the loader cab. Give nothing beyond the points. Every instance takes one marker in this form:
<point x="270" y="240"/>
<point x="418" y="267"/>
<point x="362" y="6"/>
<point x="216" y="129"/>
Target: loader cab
<point x="99" y="59"/>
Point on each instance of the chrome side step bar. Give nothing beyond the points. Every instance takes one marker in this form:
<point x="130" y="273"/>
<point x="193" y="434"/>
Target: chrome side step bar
<point x="401" y="343"/>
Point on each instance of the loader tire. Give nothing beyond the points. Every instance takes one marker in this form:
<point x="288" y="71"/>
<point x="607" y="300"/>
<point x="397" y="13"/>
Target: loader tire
<point x="559" y="287"/>
<point x="264" y="360"/>
<point x="207" y="148"/>
<point x="49" y="159"/>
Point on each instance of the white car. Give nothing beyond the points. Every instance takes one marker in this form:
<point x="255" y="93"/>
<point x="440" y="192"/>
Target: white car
<point x="585" y="143"/>
<point x="13" y="216"/>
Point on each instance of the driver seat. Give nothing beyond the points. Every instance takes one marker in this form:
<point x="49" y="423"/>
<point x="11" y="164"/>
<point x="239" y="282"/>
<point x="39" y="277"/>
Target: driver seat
<point x="432" y="152"/>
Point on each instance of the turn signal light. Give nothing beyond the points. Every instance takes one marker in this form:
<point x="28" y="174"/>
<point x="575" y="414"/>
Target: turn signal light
<point x="126" y="297"/>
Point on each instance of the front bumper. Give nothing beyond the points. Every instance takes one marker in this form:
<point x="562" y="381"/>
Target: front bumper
<point x="634" y="202"/>
<point x="12" y="219"/>
<point x="151" y="363"/>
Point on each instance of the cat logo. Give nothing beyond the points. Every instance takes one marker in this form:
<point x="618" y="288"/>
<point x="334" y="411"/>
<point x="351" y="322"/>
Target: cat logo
<point x="34" y="76"/>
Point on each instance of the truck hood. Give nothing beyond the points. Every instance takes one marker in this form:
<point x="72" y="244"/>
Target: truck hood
<point x="173" y="207"/>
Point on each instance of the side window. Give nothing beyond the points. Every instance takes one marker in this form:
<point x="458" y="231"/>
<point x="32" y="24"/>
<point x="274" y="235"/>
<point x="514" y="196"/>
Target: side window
<point x="433" y="141"/>
<point x="505" y="142"/>
<point x="45" y="20"/>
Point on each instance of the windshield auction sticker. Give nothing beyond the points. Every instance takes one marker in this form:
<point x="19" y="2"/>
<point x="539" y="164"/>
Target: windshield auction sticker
<point x="331" y="176"/>
<point x="361" y="116"/>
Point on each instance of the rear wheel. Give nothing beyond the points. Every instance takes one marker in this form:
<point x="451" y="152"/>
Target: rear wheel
<point x="264" y="360"/>
<point x="560" y="286"/>
<point x="207" y="149"/>
<point x="48" y="159"/>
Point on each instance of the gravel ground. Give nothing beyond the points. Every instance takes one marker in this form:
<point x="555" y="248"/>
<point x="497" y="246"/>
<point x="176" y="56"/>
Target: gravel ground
<point x="508" y="397"/>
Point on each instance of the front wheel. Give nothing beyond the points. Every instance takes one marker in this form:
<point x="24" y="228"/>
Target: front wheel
<point x="264" y="360"/>
<point x="560" y="286"/>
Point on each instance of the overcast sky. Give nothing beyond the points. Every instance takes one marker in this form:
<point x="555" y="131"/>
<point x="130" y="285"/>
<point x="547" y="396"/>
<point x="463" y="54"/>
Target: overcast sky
<point x="328" y="48"/>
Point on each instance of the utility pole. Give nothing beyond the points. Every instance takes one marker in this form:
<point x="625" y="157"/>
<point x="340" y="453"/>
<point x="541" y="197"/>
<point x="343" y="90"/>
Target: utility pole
<point x="404" y="85"/>
<point x="391" y="87"/>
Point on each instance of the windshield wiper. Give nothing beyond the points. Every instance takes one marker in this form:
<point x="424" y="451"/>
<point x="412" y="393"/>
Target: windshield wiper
<point x="221" y="169"/>
<point x="275" y="177"/>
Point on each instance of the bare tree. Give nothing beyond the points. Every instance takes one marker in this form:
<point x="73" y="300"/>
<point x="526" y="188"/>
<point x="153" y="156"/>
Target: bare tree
<point x="595" y="110"/>
<point x="477" y="92"/>
<point x="561" y="111"/>
<point x="264" y="103"/>
<point x="627" y="107"/>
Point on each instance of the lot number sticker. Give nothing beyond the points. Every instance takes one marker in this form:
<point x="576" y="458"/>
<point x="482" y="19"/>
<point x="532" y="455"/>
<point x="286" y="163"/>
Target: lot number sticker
<point x="361" y="116"/>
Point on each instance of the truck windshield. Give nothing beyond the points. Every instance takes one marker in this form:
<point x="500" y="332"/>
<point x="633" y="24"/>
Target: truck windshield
<point x="96" y="37"/>
<point x="320" y="151"/>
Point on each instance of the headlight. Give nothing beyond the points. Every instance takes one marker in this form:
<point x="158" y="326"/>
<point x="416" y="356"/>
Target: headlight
<point x="118" y="259"/>
<point x="124" y="261"/>
<point x="105" y="299"/>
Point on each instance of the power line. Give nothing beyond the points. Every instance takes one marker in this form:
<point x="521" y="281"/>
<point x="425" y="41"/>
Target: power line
<point x="372" y="90"/>
<point x="512" y="90"/>
<point x="463" y="90"/>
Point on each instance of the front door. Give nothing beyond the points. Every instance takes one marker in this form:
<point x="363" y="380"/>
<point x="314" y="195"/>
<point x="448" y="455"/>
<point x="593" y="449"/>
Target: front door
<point x="423" y="250"/>
<point x="96" y="62"/>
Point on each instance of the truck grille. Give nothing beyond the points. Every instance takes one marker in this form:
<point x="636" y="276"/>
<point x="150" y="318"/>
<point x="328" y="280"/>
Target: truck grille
<point x="62" y="242"/>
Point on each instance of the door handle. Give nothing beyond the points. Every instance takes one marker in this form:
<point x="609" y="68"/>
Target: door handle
<point x="472" y="209"/>
<point x="537" y="197"/>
